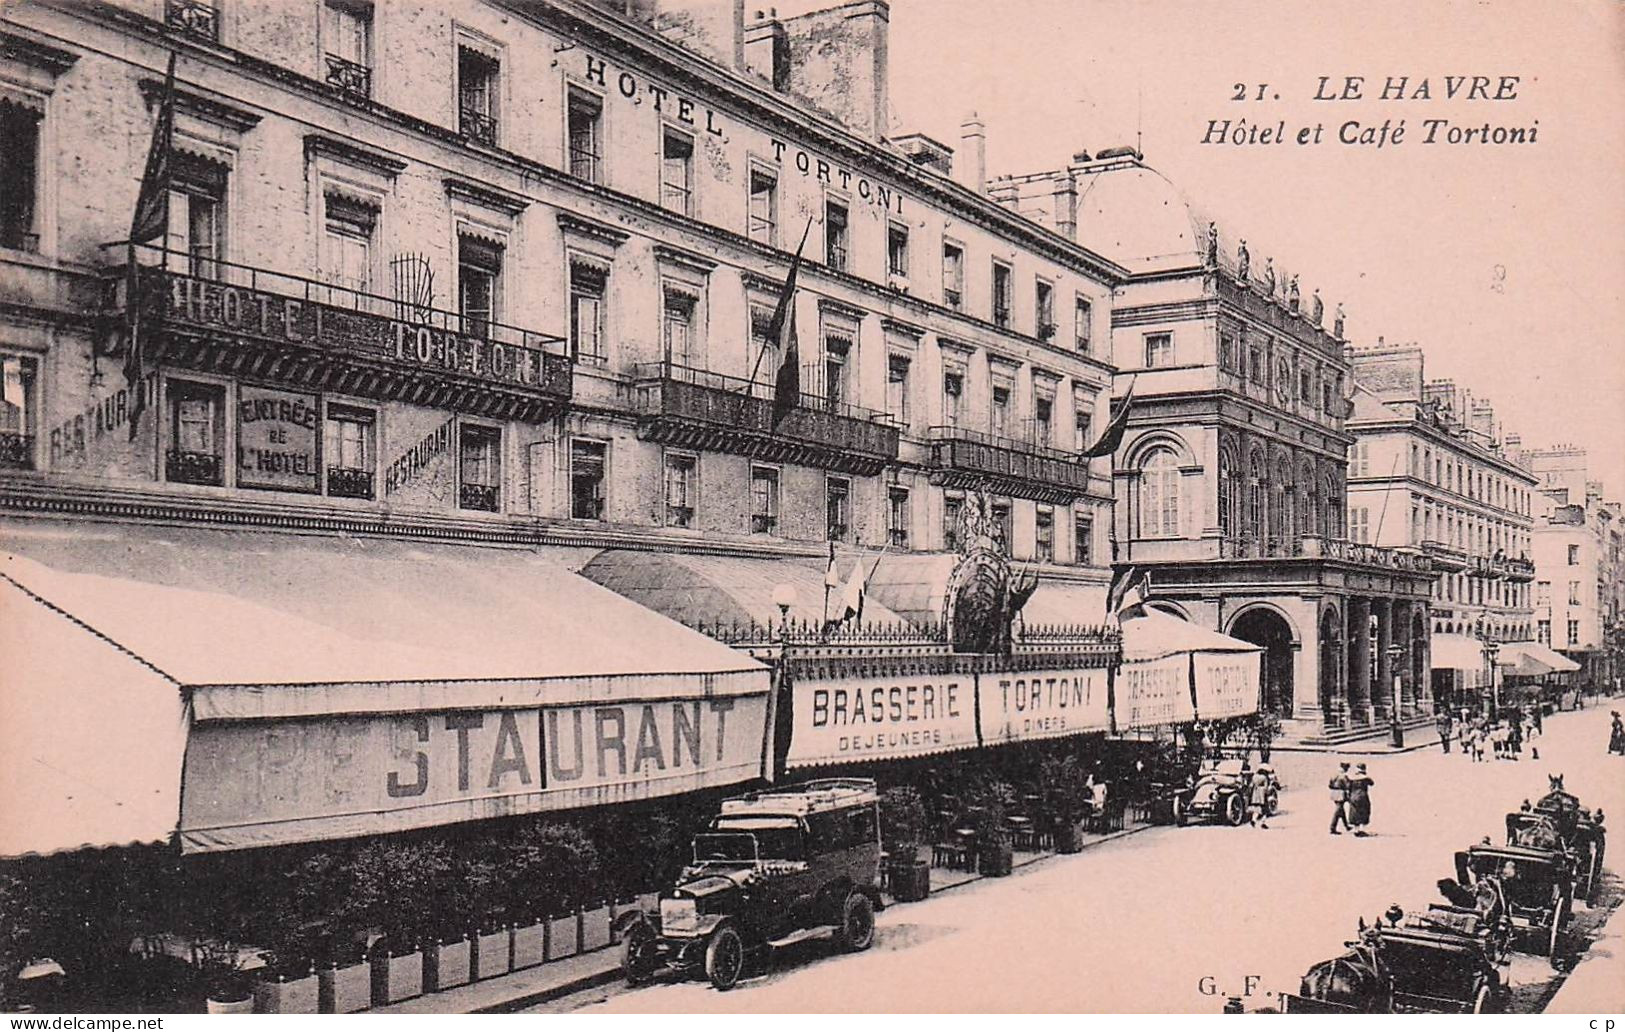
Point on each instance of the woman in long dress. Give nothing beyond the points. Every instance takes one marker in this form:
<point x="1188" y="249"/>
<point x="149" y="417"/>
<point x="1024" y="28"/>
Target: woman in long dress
<point x="1360" y="799"/>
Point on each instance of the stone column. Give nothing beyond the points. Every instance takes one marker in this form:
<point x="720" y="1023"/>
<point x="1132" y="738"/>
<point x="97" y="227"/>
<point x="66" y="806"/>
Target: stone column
<point x="1382" y="686"/>
<point x="1359" y="660"/>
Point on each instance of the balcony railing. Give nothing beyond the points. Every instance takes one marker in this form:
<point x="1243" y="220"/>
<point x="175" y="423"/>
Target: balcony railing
<point x="188" y="467"/>
<point x="477" y="496"/>
<point x="1518" y="569"/>
<point x="349" y="483"/>
<point x="1010" y="466"/>
<point x="953" y="299"/>
<point x="478" y="126"/>
<point x="350" y="76"/>
<point x="193" y="18"/>
<point x="1445" y="557"/>
<point x="1366" y="555"/>
<point x="16" y="450"/>
<point x="253" y="319"/>
<point x="725" y="413"/>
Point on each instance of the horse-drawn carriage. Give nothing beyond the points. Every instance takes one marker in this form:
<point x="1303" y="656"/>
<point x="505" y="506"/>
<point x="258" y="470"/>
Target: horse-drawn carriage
<point x="1444" y="960"/>
<point x="1559" y="822"/>
<point x="1538" y="885"/>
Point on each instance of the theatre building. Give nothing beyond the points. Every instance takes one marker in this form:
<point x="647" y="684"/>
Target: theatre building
<point x="463" y="307"/>
<point x="1432" y="469"/>
<point x="1231" y="480"/>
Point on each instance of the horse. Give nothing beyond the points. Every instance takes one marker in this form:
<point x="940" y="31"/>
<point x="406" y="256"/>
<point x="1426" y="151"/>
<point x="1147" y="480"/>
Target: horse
<point x="1356" y="981"/>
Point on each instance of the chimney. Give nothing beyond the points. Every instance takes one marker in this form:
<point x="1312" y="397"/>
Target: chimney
<point x="973" y="144"/>
<point x="1066" y="205"/>
<point x="926" y="152"/>
<point x="767" y="49"/>
<point x="714" y="28"/>
<point x="839" y="61"/>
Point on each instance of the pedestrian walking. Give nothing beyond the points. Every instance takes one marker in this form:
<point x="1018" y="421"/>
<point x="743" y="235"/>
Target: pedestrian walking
<point x="1616" y="736"/>
<point x="1480" y="733"/>
<point x="1443" y="724"/>
<point x="1537" y="715"/>
<point x="1359" y="804"/>
<point x="1340" y="797"/>
<point x="1258" y="796"/>
<point x="1515" y="739"/>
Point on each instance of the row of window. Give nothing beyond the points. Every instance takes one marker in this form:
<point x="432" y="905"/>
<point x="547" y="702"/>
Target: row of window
<point x="1457" y="475"/>
<point x="1543" y="593"/>
<point x="1543" y="632"/>
<point x="1252" y="363"/>
<point x="1461" y="529"/>
<point x="1272" y="507"/>
<point x="1458" y="587"/>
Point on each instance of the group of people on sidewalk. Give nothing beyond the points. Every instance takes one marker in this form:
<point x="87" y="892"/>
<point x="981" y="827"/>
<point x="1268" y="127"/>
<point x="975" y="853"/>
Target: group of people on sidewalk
<point x="1351" y="799"/>
<point x="1503" y="738"/>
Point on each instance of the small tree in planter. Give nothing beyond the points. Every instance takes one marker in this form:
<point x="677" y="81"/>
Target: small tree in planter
<point x="902" y="832"/>
<point x="1060" y="786"/>
<point x="397" y="886"/>
<point x="986" y="810"/>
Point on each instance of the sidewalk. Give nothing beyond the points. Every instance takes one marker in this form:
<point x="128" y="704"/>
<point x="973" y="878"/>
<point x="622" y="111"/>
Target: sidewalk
<point x="521" y="989"/>
<point x="1597" y="984"/>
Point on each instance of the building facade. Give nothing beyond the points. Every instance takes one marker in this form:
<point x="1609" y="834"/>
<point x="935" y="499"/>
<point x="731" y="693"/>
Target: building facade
<point x="1231" y="480"/>
<point x="1580" y="585"/>
<point x="1432" y="470"/>
<point x="505" y="272"/>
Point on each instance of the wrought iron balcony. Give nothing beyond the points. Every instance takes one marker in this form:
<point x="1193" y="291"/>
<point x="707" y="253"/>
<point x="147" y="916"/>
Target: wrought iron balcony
<point x="350" y="76"/>
<point x="478" y="496"/>
<point x="16" y="450"/>
<point x="1445" y="558"/>
<point x="188" y="467"/>
<point x="256" y="323"/>
<point x="349" y="483"/>
<point x="1317" y="547"/>
<point x="1520" y="569"/>
<point x="696" y="408"/>
<point x="193" y="18"/>
<point x="1003" y="465"/>
<point x="478" y="126"/>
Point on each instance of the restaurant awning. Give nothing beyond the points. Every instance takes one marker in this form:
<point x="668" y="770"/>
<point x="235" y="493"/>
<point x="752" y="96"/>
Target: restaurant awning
<point x="1456" y="652"/>
<point x="1532" y="659"/>
<point x="1174" y="671"/>
<point x="722" y="591"/>
<point x="345" y="685"/>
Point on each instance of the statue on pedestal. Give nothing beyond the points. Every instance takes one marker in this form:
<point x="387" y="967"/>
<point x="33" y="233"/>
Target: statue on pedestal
<point x="1269" y="276"/>
<point x="1317" y="307"/>
<point x="1244" y="262"/>
<point x="1293" y="299"/>
<point x="1337" y="322"/>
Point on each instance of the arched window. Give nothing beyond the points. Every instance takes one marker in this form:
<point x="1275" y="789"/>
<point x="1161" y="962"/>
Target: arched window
<point x="1331" y="510"/>
<point x="1229" y="493"/>
<point x="1254" y="520"/>
<point x="1285" y="514"/>
<point x="1309" y="500"/>
<point x="1159" y="495"/>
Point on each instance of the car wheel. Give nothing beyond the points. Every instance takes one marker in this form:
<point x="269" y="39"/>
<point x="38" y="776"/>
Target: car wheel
<point x="1484" y="1001"/>
<point x="724" y="958"/>
<point x="1179" y="811"/>
<point x="857" y="931"/>
<point x="1234" y="811"/>
<point x="637" y="960"/>
<point x="1272" y="803"/>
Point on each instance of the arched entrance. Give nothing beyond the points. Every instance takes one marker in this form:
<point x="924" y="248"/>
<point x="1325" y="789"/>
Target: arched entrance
<point x="1269" y="628"/>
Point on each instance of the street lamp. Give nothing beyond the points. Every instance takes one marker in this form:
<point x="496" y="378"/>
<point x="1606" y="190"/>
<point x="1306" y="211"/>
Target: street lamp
<point x="1395" y="723"/>
<point x="1491" y="649"/>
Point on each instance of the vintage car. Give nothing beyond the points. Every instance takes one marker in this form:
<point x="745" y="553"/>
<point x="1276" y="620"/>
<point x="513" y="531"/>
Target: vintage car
<point x="774" y="868"/>
<point x="1558" y="821"/>
<point x="1537" y="884"/>
<point x="1219" y="792"/>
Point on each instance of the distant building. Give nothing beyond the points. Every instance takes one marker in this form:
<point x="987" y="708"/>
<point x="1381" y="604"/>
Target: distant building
<point x="1432" y="470"/>
<point x="1231" y="480"/>
<point x="1579" y="549"/>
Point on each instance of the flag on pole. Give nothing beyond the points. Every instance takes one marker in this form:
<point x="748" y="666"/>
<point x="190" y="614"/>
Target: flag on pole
<point x="1112" y="436"/>
<point x="1127" y="592"/>
<point x="787" y="388"/>
<point x="832" y="584"/>
<point x="850" y="606"/>
<point x="150" y="222"/>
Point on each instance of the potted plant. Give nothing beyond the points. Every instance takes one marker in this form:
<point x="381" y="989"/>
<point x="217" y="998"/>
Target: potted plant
<point x="228" y="988"/>
<point x="551" y="867"/>
<point x="1061" y="787"/>
<point x="902" y="832"/>
<point x="986" y="811"/>
<point x="396" y="885"/>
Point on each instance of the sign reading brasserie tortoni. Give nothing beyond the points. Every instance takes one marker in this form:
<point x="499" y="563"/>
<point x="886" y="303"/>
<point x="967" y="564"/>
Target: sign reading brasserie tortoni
<point x="276" y="439"/>
<point x="275" y="317"/>
<point x="847" y="719"/>
<point x="1021" y="705"/>
<point x="369" y="774"/>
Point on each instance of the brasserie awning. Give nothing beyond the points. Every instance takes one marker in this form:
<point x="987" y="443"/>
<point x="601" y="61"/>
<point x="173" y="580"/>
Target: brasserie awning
<point x="1175" y="671"/>
<point x="1532" y="659"/>
<point x="1456" y="652"/>
<point x="347" y="685"/>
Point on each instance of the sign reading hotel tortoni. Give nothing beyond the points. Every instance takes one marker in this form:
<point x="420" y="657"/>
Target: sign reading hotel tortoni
<point x="673" y="104"/>
<point x="274" y="317"/>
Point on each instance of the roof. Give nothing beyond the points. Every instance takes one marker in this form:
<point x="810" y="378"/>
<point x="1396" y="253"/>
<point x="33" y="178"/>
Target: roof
<point x="1137" y="217"/>
<point x="813" y="797"/>
<point x="1158" y="634"/>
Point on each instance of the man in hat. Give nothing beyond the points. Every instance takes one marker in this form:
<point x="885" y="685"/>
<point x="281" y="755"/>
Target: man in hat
<point x="1359" y="804"/>
<point x="1340" y="797"/>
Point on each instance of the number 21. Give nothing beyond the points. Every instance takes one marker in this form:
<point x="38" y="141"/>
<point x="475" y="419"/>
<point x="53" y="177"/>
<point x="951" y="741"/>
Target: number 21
<point x="1241" y="91"/>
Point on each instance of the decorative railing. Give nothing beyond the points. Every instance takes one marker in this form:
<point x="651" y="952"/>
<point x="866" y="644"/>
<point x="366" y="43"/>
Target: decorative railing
<point x="1444" y="556"/>
<point x="229" y="305"/>
<point x="194" y="18"/>
<point x="477" y="126"/>
<point x="928" y="633"/>
<point x="1366" y="555"/>
<point x="187" y="467"/>
<point x="1518" y="568"/>
<point x="350" y="76"/>
<point x="730" y="408"/>
<point x="477" y="496"/>
<point x="1009" y="460"/>
<point x="349" y="483"/>
<point x="16" y="450"/>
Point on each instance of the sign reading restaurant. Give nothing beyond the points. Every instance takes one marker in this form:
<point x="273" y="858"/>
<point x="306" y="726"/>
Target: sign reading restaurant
<point x="353" y="774"/>
<point x="209" y="305"/>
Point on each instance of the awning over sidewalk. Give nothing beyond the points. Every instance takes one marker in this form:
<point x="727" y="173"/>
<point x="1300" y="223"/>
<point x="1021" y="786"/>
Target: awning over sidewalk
<point x="343" y="686"/>
<point x="706" y="590"/>
<point x="1456" y="652"/>
<point x="1162" y="654"/>
<point x="1532" y="659"/>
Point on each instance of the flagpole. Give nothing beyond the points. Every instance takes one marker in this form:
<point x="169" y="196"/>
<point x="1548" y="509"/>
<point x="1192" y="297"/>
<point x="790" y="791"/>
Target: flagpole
<point x="757" y="367"/>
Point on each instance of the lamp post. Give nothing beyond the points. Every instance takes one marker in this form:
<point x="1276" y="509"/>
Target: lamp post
<point x="782" y="708"/>
<point x="1491" y="649"/>
<point x="1396" y="724"/>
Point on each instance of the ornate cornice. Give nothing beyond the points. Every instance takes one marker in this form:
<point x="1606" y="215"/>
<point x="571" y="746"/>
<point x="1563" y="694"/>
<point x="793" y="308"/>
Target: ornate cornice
<point x="686" y="259"/>
<point x="592" y="228"/>
<point x="485" y="196"/>
<point x="906" y="329"/>
<point x="49" y="59"/>
<point x="829" y="304"/>
<point x="207" y="109"/>
<point x="317" y="145"/>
